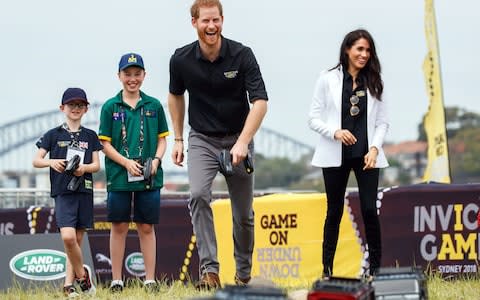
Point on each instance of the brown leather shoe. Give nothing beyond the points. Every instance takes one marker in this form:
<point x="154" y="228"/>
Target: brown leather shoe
<point x="208" y="281"/>
<point x="242" y="281"/>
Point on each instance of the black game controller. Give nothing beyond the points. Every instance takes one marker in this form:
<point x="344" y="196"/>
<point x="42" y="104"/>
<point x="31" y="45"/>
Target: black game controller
<point x="147" y="172"/>
<point x="248" y="163"/>
<point x="226" y="166"/>
<point x="72" y="164"/>
<point x="70" y="168"/>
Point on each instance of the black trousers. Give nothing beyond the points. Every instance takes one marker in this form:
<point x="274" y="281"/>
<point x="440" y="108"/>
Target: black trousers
<point x="336" y="180"/>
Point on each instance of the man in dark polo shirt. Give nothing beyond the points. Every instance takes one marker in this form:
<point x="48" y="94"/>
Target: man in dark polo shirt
<point x="223" y="80"/>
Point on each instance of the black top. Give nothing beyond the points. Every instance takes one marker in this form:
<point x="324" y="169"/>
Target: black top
<point x="218" y="91"/>
<point x="357" y="124"/>
<point x="56" y="142"/>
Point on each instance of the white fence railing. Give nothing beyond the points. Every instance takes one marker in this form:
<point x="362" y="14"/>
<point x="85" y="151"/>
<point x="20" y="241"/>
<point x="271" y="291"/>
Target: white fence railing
<point x="25" y="197"/>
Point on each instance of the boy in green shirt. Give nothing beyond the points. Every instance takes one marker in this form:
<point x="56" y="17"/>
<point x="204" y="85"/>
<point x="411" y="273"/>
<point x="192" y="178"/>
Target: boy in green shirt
<point x="133" y="128"/>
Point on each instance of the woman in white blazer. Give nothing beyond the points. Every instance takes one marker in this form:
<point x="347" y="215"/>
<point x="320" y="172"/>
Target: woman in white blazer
<point x="350" y="115"/>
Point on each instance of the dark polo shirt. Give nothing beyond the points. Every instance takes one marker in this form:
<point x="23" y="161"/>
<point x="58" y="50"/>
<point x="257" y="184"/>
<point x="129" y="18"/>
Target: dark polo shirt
<point x="219" y="92"/>
<point x="56" y="141"/>
<point x="155" y="126"/>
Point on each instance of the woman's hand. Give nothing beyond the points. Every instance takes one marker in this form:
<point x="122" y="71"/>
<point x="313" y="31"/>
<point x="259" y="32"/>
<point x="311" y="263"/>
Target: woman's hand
<point x="370" y="158"/>
<point x="345" y="136"/>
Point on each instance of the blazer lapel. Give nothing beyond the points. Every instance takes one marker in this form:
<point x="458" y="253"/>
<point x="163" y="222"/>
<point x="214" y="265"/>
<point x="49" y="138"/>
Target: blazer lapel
<point x="370" y="103"/>
<point x="336" y="81"/>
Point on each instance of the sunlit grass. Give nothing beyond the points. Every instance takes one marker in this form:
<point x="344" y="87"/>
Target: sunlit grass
<point x="467" y="288"/>
<point x="134" y="291"/>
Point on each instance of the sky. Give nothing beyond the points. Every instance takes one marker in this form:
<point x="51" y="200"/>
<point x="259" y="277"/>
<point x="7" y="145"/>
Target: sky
<point x="47" y="46"/>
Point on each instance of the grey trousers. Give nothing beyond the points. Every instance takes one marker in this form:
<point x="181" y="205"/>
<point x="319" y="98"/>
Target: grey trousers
<point x="203" y="166"/>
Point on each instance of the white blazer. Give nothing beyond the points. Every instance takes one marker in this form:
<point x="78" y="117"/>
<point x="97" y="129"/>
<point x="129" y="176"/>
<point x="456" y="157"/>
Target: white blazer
<point x="325" y="118"/>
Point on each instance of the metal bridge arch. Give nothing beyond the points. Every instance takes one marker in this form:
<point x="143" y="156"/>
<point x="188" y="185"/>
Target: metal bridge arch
<point x="17" y="139"/>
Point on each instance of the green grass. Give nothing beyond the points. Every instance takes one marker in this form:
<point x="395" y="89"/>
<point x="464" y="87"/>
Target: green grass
<point x="454" y="289"/>
<point x="438" y="288"/>
<point x="134" y="291"/>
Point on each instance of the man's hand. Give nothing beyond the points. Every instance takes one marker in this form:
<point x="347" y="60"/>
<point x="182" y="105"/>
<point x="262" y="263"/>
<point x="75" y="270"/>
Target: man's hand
<point x="177" y="153"/>
<point x="239" y="151"/>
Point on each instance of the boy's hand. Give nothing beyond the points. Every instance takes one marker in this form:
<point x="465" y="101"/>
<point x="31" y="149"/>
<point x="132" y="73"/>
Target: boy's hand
<point x="57" y="164"/>
<point x="155" y="165"/>
<point x="133" y="167"/>
<point x="80" y="170"/>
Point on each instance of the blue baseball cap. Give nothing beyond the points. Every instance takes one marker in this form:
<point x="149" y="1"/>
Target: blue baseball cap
<point x="129" y="60"/>
<point x="74" y="94"/>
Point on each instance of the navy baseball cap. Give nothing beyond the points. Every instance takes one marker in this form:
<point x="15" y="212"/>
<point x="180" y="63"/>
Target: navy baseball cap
<point x="74" y="94"/>
<point x="129" y="60"/>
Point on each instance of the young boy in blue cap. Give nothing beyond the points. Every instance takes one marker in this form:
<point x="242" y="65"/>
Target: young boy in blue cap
<point x="133" y="128"/>
<point x="72" y="189"/>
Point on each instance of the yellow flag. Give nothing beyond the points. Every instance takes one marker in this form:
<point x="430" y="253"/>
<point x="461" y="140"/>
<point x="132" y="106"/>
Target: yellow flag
<point x="438" y="167"/>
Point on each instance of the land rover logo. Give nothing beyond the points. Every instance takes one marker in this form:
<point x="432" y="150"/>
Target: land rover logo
<point x="134" y="264"/>
<point x="39" y="264"/>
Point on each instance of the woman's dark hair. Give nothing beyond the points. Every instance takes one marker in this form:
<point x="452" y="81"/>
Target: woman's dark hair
<point x="371" y="71"/>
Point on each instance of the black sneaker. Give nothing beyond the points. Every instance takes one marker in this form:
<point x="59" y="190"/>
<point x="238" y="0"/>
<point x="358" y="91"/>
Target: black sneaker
<point x="116" y="288"/>
<point x="86" y="283"/>
<point x="70" y="292"/>
<point x="152" y="287"/>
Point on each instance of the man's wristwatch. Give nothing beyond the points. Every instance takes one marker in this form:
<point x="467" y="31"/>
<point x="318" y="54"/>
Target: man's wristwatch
<point x="159" y="160"/>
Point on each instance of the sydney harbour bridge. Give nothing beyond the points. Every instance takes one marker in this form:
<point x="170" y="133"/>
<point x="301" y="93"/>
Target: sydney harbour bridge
<point x="17" y="141"/>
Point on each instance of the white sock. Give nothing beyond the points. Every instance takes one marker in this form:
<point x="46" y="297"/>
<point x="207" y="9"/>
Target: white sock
<point x="115" y="282"/>
<point x="148" y="281"/>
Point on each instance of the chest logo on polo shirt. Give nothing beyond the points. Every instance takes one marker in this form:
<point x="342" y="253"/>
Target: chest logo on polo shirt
<point x="150" y="113"/>
<point x="230" y="74"/>
<point x="63" y="143"/>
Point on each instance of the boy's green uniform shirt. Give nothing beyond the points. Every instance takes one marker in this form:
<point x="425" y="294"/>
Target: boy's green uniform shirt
<point x="155" y="126"/>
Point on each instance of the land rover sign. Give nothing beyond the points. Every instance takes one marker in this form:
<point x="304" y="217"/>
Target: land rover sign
<point x="39" y="264"/>
<point x="135" y="265"/>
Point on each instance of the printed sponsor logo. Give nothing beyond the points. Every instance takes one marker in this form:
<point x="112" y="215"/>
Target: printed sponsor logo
<point x="102" y="258"/>
<point x="39" y="264"/>
<point x="230" y="74"/>
<point x="6" y="228"/>
<point x="134" y="264"/>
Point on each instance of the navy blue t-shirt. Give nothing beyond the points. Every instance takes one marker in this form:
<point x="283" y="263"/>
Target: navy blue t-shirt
<point x="56" y="141"/>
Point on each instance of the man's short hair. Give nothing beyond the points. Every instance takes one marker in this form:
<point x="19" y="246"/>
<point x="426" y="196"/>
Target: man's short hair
<point x="195" y="9"/>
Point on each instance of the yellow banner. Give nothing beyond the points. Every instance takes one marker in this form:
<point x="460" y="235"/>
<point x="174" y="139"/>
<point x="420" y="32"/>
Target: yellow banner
<point x="438" y="169"/>
<point x="288" y="240"/>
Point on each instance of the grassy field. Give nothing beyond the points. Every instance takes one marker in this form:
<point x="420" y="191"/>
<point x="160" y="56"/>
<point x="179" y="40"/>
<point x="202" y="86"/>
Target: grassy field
<point x="438" y="288"/>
